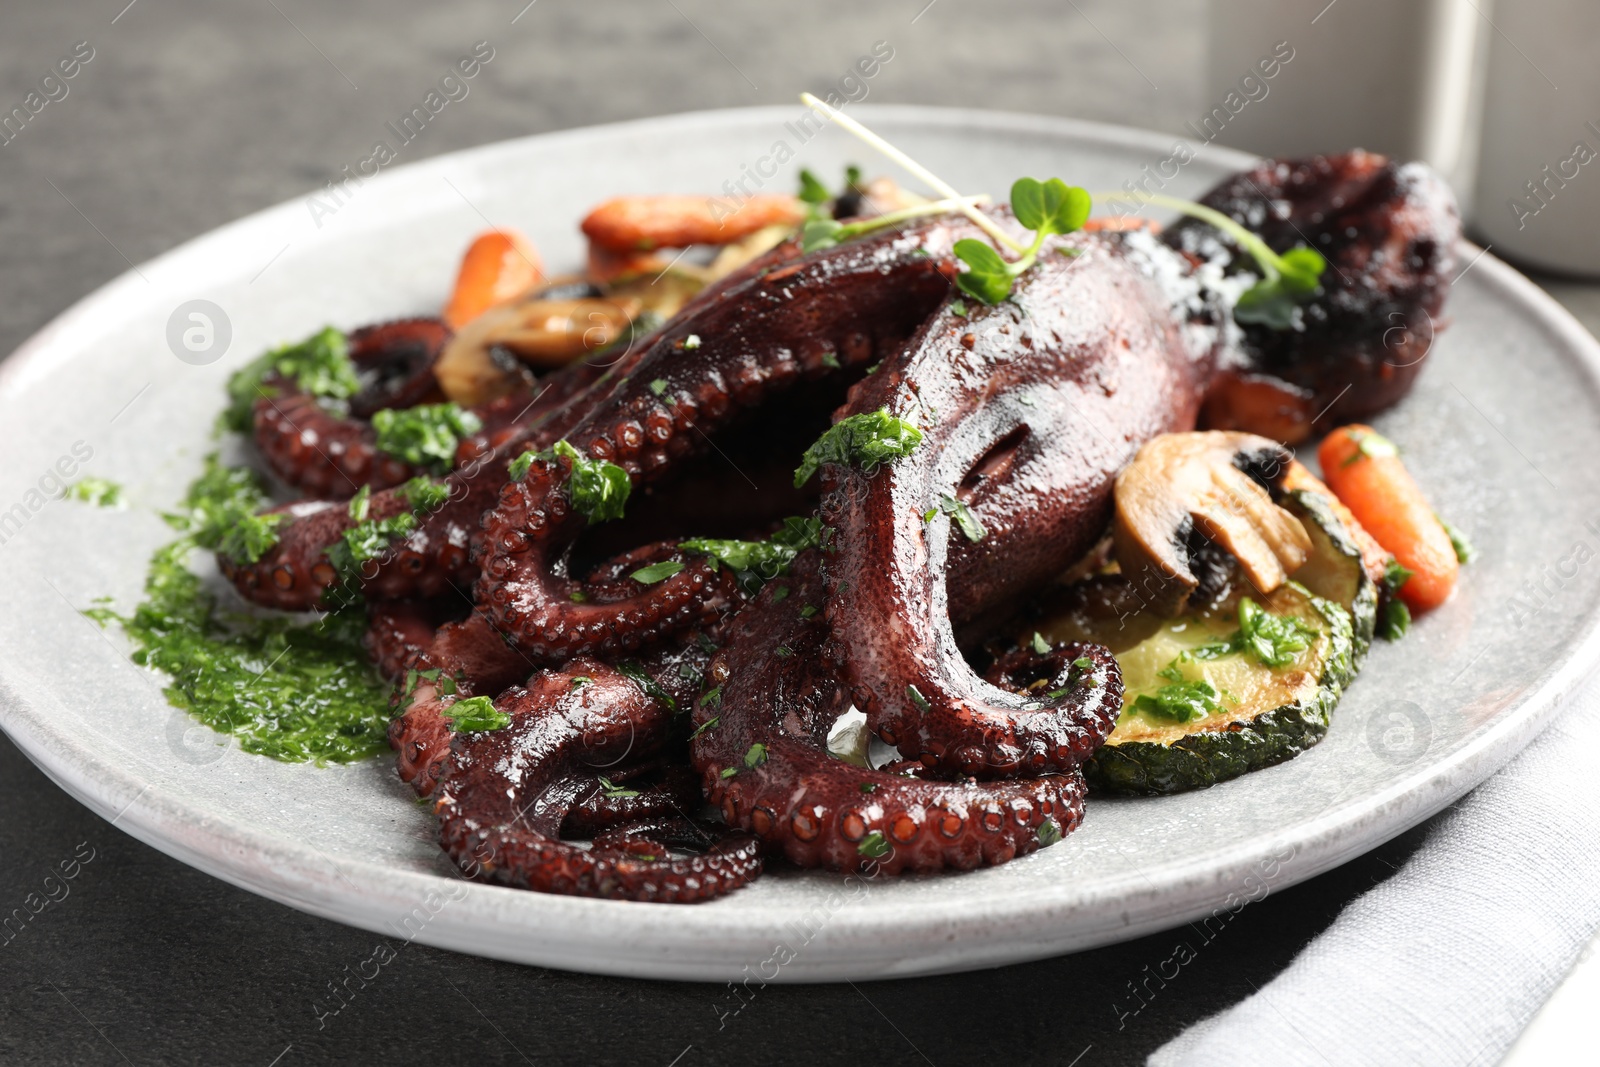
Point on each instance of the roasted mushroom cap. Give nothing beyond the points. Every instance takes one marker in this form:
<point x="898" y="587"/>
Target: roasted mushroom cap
<point x="542" y="332"/>
<point x="1184" y="489"/>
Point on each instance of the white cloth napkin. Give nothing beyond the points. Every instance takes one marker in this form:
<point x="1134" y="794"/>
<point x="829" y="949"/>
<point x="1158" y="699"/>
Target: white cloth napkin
<point x="1446" y="961"/>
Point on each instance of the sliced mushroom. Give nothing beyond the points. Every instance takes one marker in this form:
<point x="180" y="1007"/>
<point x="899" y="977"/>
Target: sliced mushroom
<point x="543" y="333"/>
<point x="1211" y="484"/>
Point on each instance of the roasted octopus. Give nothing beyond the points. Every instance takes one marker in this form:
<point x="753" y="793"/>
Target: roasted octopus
<point x="682" y="726"/>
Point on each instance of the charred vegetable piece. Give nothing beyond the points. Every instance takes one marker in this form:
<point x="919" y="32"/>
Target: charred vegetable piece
<point x="1203" y="704"/>
<point x="1217" y="693"/>
<point x="1211" y="486"/>
<point x="1335" y="569"/>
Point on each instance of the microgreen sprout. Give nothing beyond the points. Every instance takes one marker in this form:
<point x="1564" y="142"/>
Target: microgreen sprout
<point x="1046" y="208"/>
<point x="1050" y="207"/>
<point x="1286" y="280"/>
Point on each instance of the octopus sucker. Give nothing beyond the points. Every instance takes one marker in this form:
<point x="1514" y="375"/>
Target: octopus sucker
<point x="507" y="792"/>
<point x="328" y="454"/>
<point x="820" y="811"/>
<point x="600" y="701"/>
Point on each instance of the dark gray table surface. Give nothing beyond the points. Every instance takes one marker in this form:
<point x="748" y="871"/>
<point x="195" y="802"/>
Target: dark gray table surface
<point x="191" y="114"/>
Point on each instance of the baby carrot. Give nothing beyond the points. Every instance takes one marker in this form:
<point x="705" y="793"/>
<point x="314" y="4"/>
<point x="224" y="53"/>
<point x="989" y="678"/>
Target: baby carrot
<point x="1364" y="470"/>
<point x="499" y="265"/>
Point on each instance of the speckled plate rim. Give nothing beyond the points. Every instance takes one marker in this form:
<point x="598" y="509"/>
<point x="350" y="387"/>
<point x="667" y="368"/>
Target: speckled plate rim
<point x="705" y="943"/>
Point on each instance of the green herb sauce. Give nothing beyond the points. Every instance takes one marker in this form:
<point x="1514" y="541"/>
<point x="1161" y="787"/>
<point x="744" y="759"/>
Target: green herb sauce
<point x="290" y="690"/>
<point x="296" y="692"/>
<point x="100" y="492"/>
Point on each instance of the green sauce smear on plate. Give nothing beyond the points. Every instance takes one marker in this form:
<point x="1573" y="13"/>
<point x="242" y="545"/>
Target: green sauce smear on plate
<point x="293" y="691"/>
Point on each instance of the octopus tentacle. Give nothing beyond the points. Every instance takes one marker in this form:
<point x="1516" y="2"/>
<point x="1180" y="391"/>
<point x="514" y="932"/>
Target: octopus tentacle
<point x="552" y="616"/>
<point x="827" y="313"/>
<point x="1029" y="410"/>
<point x="673" y="792"/>
<point x="506" y="792"/>
<point x="478" y="661"/>
<point x="328" y="454"/>
<point x="1389" y="232"/>
<point x="761" y="752"/>
<point x="395" y="360"/>
<point x="437" y="557"/>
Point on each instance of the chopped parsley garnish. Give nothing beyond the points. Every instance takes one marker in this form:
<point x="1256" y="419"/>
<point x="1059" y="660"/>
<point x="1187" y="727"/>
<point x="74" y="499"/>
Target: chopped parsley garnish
<point x="929" y="515"/>
<point x="360" y="504"/>
<point x="424" y="495"/>
<point x="863" y="441"/>
<point x="1049" y="207"/>
<point x="597" y="488"/>
<point x="320" y="365"/>
<point x="1465" y="552"/>
<point x="754" y="563"/>
<point x="1049" y="832"/>
<point x="958" y="307"/>
<point x="1276" y="640"/>
<point x="222" y="513"/>
<point x="1370" y="444"/>
<point x="807" y="611"/>
<point x="1396" y="620"/>
<point x="475" y="715"/>
<point x="443" y="683"/>
<point x="100" y="492"/>
<point x="780" y="593"/>
<point x="1395" y="575"/>
<point x="874" y="845"/>
<point x="658" y="386"/>
<point x="636" y="674"/>
<point x="869" y="787"/>
<point x="709" y="724"/>
<point x="424" y="436"/>
<point x="1039" y="644"/>
<point x="615" y="792"/>
<point x="580" y="680"/>
<point x="1179" y="702"/>
<point x="365" y="542"/>
<point x="578" y="596"/>
<point x="964" y="519"/>
<point x="712" y="698"/>
<point x="830" y="360"/>
<point x="756" y="756"/>
<point x="917" y="698"/>
<point x="729" y="772"/>
<point x="656" y="572"/>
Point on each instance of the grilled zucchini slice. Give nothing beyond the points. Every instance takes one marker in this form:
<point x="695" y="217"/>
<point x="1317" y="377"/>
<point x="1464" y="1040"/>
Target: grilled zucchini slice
<point x="1196" y="714"/>
<point x="1335" y="570"/>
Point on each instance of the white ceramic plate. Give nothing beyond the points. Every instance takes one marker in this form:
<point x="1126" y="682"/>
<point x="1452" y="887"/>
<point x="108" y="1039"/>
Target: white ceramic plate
<point x="1502" y="431"/>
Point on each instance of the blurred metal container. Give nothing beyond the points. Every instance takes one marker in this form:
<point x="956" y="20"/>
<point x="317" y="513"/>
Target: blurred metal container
<point x="1538" y="183"/>
<point x="1402" y="77"/>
